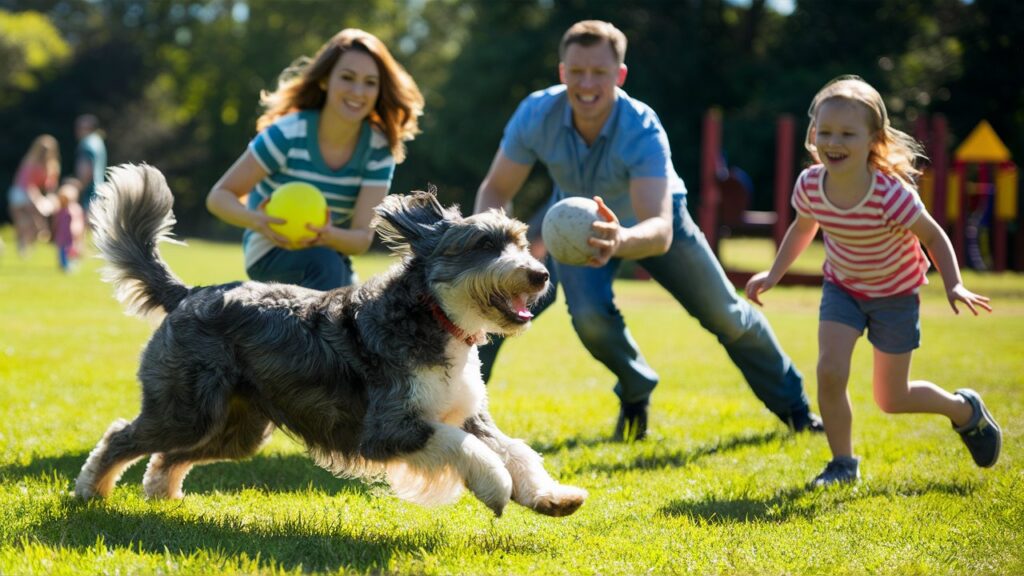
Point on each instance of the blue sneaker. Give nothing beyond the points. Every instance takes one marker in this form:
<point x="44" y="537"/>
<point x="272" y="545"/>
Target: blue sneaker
<point x="840" y="470"/>
<point x="981" y="434"/>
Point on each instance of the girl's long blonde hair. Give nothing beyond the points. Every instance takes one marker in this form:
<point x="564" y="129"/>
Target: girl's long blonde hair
<point x="399" y="105"/>
<point x="892" y="151"/>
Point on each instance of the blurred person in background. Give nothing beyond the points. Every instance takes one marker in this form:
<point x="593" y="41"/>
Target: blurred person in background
<point x="27" y="198"/>
<point x="90" y="157"/>
<point x="68" y="224"/>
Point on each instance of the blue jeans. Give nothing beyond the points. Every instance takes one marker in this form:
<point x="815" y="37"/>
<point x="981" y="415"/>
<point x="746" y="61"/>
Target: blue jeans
<point x="318" y="268"/>
<point x="694" y="277"/>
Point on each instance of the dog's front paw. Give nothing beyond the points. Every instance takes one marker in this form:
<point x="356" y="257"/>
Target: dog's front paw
<point x="494" y="490"/>
<point x="503" y="492"/>
<point x="561" y="501"/>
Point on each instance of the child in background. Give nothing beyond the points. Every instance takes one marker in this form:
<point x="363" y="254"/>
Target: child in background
<point x="68" y="224"/>
<point x="859" y="192"/>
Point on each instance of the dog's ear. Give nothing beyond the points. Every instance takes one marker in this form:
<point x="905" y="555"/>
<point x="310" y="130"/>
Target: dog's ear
<point x="413" y="223"/>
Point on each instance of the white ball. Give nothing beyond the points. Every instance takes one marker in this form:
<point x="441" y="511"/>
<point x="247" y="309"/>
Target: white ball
<point x="566" y="229"/>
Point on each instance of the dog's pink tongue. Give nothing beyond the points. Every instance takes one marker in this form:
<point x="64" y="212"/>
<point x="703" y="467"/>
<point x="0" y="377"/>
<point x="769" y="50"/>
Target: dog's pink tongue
<point x="519" y="305"/>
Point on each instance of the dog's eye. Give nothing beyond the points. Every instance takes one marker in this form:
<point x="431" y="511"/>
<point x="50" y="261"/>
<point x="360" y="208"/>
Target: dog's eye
<point x="486" y="243"/>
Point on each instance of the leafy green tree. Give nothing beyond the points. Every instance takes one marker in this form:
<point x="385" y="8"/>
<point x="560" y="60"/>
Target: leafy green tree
<point x="30" y="46"/>
<point x="990" y="85"/>
<point x="176" y="83"/>
<point x="32" y="51"/>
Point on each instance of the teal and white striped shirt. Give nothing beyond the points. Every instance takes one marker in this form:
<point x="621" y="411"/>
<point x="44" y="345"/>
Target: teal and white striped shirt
<point x="289" y="151"/>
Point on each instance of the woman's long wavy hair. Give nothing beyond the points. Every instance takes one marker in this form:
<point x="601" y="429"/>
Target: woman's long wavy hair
<point x="44" y="151"/>
<point x="399" y="104"/>
<point x="892" y="151"/>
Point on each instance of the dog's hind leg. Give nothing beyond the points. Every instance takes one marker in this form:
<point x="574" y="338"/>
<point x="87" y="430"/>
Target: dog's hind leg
<point x="115" y="452"/>
<point x="122" y="445"/>
<point x="244" y="431"/>
<point x="167" y="422"/>
<point x="531" y="485"/>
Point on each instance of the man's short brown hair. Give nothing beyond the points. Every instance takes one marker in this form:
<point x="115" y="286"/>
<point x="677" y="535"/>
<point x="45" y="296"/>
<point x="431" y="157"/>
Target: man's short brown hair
<point x="590" y="32"/>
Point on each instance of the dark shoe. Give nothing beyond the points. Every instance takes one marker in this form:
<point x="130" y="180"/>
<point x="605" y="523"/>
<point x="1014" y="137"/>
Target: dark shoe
<point x="805" y="421"/>
<point x="841" y="470"/>
<point x="981" y="434"/>
<point x="632" y="423"/>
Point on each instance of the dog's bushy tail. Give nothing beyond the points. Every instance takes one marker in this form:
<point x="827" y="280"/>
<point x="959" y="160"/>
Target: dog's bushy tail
<point x="130" y="215"/>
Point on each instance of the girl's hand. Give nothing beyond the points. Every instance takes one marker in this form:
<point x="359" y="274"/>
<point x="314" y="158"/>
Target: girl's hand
<point x="970" y="299"/>
<point x="757" y="284"/>
<point x="605" y="236"/>
<point x="262" y="226"/>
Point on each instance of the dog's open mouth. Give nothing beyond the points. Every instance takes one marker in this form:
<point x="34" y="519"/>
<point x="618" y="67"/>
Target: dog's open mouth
<point x="515" y="308"/>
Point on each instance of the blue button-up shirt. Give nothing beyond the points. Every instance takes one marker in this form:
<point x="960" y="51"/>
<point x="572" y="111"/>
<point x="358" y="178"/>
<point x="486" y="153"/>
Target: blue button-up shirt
<point x="632" y="144"/>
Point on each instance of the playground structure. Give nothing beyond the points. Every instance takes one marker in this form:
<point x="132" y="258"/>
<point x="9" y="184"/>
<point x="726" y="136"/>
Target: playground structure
<point x="723" y="203"/>
<point x="977" y="193"/>
<point x="976" y="201"/>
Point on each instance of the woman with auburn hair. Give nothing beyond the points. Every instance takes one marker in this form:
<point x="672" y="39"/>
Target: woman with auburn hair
<point x="338" y="121"/>
<point x="27" y="199"/>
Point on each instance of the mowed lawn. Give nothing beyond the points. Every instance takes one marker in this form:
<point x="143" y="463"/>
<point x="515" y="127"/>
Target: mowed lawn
<point x="719" y="487"/>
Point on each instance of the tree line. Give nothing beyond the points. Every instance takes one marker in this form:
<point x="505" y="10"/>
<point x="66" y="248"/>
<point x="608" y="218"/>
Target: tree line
<point x="176" y="83"/>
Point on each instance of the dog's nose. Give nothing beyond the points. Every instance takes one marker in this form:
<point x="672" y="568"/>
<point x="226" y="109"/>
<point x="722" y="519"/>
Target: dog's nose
<point x="537" y="277"/>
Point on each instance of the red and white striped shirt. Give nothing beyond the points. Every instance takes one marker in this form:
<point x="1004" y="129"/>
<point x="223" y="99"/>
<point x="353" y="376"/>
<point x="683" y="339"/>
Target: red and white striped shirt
<point x="869" y="250"/>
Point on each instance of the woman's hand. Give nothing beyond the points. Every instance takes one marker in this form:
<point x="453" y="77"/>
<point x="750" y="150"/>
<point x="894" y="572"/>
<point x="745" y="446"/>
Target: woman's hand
<point x="261" y="224"/>
<point x="323" y="233"/>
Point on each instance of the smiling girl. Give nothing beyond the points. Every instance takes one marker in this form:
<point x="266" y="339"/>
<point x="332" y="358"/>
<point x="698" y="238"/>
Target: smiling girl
<point x="859" y="193"/>
<point x="338" y="121"/>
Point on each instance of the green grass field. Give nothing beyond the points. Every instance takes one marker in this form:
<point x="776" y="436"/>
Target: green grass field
<point x="718" y="487"/>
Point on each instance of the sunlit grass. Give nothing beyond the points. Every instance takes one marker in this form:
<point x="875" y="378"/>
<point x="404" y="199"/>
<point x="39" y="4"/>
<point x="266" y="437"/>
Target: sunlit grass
<point x="719" y="487"/>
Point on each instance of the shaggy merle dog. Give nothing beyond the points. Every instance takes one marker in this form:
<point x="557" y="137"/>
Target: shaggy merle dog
<point x="381" y="381"/>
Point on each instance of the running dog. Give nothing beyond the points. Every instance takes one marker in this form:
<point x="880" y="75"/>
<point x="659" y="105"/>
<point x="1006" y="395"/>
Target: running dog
<point x="380" y="381"/>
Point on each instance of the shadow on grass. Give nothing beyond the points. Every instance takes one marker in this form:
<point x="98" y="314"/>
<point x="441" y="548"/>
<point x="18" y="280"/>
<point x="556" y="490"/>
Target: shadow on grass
<point x="288" y="546"/>
<point x="322" y="540"/>
<point x="268" y="472"/>
<point x="681" y="458"/>
<point x="800" y="502"/>
<point x="570" y="443"/>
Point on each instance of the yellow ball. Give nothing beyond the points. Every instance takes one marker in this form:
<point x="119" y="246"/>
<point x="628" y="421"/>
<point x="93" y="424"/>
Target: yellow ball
<point x="299" y="203"/>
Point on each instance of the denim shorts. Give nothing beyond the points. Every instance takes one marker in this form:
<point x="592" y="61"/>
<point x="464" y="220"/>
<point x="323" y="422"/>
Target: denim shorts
<point x="893" y="322"/>
<point x="319" y="268"/>
<point x="17" y="197"/>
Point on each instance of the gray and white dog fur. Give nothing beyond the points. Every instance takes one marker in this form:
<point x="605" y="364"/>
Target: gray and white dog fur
<point x="380" y="381"/>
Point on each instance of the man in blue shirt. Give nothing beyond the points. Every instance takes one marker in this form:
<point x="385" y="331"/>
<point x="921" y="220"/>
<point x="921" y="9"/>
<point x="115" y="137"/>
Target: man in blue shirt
<point x="90" y="157"/>
<point x="598" y="142"/>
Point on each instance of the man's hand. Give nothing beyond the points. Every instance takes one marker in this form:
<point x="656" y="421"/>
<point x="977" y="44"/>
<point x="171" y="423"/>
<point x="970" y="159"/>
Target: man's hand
<point x="605" y="236"/>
